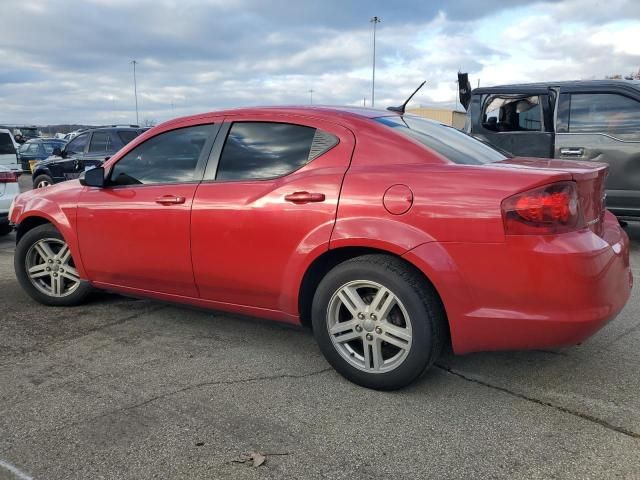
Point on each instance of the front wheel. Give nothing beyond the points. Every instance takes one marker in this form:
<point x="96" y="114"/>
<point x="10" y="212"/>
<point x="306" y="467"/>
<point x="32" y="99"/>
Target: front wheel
<point x="378" y="322"/>
<point x="46" y="270"/>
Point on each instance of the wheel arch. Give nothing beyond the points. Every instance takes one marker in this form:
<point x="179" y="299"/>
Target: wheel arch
<point x="322" y="264"/>
<point x="52" y="214"/>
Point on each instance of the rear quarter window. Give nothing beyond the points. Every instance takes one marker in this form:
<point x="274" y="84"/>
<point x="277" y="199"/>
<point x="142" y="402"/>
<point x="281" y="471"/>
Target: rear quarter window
<point x="127" y="135"/>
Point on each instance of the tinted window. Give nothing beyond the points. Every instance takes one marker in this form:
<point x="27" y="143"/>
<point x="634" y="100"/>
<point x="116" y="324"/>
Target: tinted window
<point x="127" y="135"/>
<point x="509" y="114"/>
<point x="255" y="150"/>
<point x="170" y="157"/>
<point x="32" y="148"/>
<point x="6" y="145"/>
<point x="447" y="141"/>
<point x="100" y="142"/>
<point x="77" y="144"/>
<point x="604" y="112"/>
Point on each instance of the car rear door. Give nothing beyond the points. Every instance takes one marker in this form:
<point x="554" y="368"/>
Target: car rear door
<point x="268" y="201"/>
<point x="519" y="122"/>
<point x="603" y="125"/>
<point x="99" y="149"/>
<point x="135" y="232"/>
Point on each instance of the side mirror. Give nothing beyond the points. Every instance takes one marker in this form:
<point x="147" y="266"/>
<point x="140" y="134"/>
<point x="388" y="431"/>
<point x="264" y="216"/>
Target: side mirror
<point x="57" y="152"/>
<point x="93" y="177"/>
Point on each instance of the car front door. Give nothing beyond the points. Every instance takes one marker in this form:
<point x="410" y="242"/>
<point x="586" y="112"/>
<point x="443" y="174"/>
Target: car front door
<point x="68" y="167"/>
<point x="604" y="126"/>
<point x="521" y="124"/>
<point x="268" y="201"/>
<point x="135" y="232"/>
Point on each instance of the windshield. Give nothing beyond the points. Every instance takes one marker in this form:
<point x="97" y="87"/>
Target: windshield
<point x="449" y="142"/>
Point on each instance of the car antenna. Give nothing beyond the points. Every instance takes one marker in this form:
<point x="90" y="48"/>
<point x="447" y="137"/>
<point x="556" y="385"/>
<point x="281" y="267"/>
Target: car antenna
<point x="401" y="108"/>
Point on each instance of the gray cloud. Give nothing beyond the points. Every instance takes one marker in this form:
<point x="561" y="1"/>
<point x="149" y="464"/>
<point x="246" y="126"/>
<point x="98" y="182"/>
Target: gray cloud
<point x="69" y="62"/>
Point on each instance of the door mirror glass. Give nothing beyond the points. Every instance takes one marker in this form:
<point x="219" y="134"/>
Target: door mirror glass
<point x="93" y="177"/>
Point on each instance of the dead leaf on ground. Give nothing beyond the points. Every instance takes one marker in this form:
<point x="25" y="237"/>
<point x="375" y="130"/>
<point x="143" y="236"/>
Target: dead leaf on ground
<point x="254" y="458"/>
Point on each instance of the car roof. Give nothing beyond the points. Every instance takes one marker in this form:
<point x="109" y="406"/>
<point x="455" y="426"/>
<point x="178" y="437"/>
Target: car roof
<point x="321" y="111"/>
<point x="538" y="86"/>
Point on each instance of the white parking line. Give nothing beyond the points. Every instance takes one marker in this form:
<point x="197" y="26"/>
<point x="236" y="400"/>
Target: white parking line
<point x="14" y="470"/>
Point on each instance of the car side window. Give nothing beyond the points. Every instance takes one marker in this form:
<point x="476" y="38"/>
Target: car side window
<point x="604" y="112"/>
<point x="77" y="144"/>
<point x="170" y="157"/>
<point x="261" y="150"/>
<point x="100" y="142"/>
<point x="512" y="114"/>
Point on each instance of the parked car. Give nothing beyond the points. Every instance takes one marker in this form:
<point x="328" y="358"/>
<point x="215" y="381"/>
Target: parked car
<point x="36" y="150"/>
<point x="390" y="234"/>
<point x="581" y="120"/>
<point x="9" y="189"/>
<point x="87" y="150"/>
<point x="9" y="151"/>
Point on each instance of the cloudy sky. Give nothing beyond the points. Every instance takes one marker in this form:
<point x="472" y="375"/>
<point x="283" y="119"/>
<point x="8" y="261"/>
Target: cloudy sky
<point x="67" y="61"/>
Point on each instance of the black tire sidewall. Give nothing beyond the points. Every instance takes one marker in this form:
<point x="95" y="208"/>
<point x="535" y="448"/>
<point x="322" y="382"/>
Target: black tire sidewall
<point x="420" y="353"/>
<point x="40" y="177"/>
<point x="29" y="238"/>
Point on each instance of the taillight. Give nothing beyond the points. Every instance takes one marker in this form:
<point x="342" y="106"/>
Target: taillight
<point x="8" y="177"/>
<point x="544" y="210"/>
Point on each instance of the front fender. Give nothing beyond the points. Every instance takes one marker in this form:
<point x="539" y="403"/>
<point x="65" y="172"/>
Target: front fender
<point x="61" y="215"/>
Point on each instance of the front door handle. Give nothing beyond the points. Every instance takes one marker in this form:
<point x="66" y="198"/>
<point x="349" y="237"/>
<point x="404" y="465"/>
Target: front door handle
<point x="572" y="152"/>
<point x="170" y="200"/>
<point x="304" y="197"/>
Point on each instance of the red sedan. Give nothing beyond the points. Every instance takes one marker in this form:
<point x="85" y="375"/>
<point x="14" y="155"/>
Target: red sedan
<point x="392" y="236"/>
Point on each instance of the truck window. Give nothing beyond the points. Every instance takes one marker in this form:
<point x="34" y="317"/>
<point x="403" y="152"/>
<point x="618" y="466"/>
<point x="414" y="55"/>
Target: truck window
<point x="512" y="114"/>
<point x="604" y="113"/>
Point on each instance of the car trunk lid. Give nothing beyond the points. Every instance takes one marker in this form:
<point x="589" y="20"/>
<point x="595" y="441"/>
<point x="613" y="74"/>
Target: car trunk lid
<point x="589" y="177"/>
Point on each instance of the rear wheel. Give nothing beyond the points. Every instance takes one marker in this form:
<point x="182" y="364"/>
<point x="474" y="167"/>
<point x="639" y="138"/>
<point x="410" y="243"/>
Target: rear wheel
<point x="46" y="270"/>
<point x="378" y="322"/>
<point x="42" y="181"/>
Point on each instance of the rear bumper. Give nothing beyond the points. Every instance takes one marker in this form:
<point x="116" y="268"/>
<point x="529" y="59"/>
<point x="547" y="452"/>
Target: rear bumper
<point x="536" y="292"/>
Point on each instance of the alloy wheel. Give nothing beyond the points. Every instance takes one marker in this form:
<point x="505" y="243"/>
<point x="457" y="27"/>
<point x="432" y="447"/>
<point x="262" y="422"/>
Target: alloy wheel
<point x="50" y="267"/>
<point x="369" y="326"/>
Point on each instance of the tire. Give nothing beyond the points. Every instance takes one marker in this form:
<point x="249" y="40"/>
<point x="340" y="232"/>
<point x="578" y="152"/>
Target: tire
<point x="41" y="284"/>
<point x="42" y="181"/>
<point x="415" y="325"/>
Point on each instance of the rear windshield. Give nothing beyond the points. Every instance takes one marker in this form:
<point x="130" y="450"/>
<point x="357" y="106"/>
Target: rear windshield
<point x="449" y="142"/>
<point x="127" y="135"/>
<point x="6" y="145"/>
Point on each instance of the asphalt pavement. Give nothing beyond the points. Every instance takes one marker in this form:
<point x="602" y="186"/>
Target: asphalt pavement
<point x="127" y="388"/>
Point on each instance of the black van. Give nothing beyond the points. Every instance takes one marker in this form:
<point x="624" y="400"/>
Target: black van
<point x="596" y="120"/>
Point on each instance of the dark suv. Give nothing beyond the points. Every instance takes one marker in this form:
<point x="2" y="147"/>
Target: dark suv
<point x="596" y="120"/>
<point x="87" y="150"/>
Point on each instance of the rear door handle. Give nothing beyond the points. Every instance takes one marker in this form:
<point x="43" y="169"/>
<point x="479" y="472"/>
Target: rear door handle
<point x="572" y="152"/>
<point x="170" y="200"/>
<point x="304" y="197"/>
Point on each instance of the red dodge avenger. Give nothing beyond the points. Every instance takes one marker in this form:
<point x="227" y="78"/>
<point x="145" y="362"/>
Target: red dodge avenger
<point x="390" y="235"/>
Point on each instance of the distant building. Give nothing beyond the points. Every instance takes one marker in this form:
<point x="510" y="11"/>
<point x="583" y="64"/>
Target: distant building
<point x="453" y="118"/>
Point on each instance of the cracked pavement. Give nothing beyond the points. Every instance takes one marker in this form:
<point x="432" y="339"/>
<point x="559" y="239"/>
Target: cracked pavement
<point x="125" y="388"/>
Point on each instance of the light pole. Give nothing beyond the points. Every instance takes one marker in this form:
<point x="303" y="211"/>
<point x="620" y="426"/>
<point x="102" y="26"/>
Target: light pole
<point x="311" y="96"/>
<point x="135" y="89"/>
<point x="375" y="21"/>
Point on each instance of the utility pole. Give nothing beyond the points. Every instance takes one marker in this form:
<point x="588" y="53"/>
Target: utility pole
<point x="311" y="96"/>
<point x="364" y="101"/>
<point x="135" y="88"/>
<point x="375" y="21"/>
